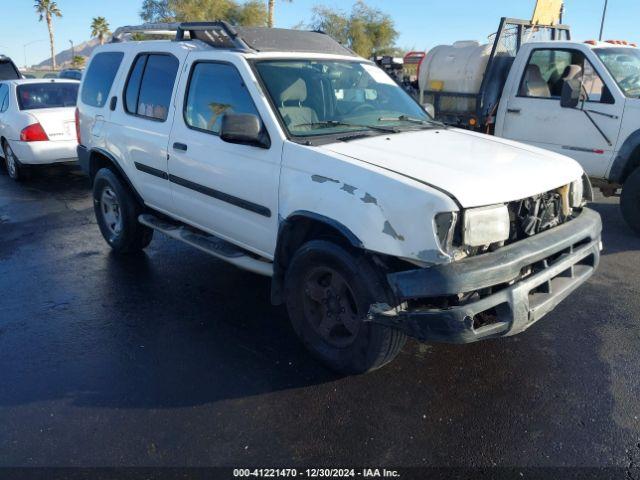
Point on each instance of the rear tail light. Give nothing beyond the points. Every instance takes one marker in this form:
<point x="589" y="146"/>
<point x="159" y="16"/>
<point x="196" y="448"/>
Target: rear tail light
<point x="33" y="133"/>
<point x="78" y="126"/>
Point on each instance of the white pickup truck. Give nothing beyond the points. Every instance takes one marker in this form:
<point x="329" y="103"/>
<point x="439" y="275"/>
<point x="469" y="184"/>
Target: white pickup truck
<point x="534" y="85"/>
<point x="283" y="153"/>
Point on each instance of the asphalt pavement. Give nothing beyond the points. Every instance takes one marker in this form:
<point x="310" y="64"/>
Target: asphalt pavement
<point x="173" y="358"/>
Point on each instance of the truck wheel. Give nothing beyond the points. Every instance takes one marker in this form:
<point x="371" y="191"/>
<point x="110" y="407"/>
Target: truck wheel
<point x="117" y="213"/>
<point x="14" y="169"/>
<point x="328" y="292"/>
<point x="630" y="200"/>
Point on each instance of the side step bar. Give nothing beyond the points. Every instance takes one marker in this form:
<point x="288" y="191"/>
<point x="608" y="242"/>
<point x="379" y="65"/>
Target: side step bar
<point x="209" y="244"/>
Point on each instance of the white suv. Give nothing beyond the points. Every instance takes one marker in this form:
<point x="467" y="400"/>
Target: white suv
<point x="285" y="154"/>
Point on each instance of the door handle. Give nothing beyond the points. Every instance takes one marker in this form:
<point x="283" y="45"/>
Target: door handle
<point x="114" y="102"/>
<point x="180" y="146"/>
<point x="513" y="110"/>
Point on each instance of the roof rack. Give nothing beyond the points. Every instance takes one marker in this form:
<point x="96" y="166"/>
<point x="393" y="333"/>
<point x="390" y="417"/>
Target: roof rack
<point x="217" y="34"/>
<point x="147" y="28"/>
<point x="220" y="34"/>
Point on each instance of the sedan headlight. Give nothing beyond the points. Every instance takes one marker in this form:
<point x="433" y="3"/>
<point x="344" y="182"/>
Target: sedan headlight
<point x="486" y="225"/>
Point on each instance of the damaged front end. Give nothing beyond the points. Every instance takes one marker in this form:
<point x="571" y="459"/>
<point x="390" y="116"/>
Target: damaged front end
<point x="549" y="248"/>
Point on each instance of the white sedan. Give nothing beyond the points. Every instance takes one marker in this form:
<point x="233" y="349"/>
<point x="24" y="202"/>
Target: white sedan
<point x="37" y="123"/>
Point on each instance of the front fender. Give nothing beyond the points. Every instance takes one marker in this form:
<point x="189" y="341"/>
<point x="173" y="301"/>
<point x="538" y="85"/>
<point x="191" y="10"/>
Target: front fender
<point x="626" y="160"/>
<point x="387" y="212"/>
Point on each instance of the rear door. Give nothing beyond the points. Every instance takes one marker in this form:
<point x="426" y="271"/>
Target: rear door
<point x="532" y="112"/>
<point x="141" y="122"/>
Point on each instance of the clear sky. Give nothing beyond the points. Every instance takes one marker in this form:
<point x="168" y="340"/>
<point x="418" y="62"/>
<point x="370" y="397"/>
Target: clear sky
<point x="421" y="23"/>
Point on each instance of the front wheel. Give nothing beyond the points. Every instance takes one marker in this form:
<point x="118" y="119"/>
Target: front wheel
<point x="117" y="212"/>
<point x="630" y="200"/>
<point x="328" y="293"/>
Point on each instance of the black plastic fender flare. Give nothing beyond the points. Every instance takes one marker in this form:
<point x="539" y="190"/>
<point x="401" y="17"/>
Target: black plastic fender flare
<point x="284" y="230"/>
<point x="117" y="166"/>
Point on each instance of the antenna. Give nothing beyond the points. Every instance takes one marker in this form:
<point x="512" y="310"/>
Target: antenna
<point x="604" y="15"/>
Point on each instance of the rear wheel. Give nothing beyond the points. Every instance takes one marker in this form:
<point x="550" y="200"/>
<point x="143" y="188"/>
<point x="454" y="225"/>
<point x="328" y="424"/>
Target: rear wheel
<point x="328" y="294"/>
<point x="14" y="169"/>
<point x="117" y="211"/>
<point x="630" y="200"/>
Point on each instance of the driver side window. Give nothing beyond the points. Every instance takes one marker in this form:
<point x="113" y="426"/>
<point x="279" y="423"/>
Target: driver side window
<point x="215" y="89"/>
<point x="548" y="69"/>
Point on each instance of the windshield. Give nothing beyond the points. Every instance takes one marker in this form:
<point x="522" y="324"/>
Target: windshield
<point x="624" y="66"/>
<point x="32" y="96"/>
<point x="326" y="97"/>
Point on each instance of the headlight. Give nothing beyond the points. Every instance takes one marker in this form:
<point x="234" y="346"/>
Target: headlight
<point x="581" y="192"/>
<point x="486" y="225"/>
<point x="576" y="194"/>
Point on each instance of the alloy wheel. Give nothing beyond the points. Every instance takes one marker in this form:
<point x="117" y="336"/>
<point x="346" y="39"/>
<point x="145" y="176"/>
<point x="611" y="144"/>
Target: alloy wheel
<point x="110" y="209"/>
<point x="10" y="158"/>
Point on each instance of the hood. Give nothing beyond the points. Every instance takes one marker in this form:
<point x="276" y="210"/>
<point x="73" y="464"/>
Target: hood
<point x="475" y="169"/>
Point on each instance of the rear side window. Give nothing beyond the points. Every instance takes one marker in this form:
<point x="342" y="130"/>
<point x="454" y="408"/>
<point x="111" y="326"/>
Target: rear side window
<point x="8" y="70"/>
<point x="150" y="85"/>
<point x="215" y="89"/>
<point x="99" y="78"/>
<point x="4" y="98"/>
<point x="32" y="96"/>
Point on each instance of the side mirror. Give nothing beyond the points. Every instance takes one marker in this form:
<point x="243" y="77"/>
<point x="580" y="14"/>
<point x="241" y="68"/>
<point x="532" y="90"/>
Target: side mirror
<point x="430" y="109"/>
<point x="243" y="128"/>
<point x="571" y="92"/>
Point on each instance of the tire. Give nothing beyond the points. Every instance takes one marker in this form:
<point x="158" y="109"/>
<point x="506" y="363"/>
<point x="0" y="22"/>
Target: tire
<point x="117" y="212"/>
<point x="630" y="200"/>
<point x="329" y="319"/>
<point x="15" y="170"/>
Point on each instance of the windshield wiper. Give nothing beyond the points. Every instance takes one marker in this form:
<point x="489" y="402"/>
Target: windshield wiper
<point x="417" y="121"/>
<point x="336" y="123"/>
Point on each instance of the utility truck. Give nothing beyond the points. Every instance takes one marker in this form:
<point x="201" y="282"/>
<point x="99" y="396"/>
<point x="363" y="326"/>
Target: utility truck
<point x="533" y="84"/>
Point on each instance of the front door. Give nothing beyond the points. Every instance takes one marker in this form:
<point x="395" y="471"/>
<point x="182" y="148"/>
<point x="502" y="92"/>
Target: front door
<point x="532" y="113"/>
<point x="230" y="190"/>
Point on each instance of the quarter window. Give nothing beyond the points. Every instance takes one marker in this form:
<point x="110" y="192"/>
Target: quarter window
<point x="150" y="86"/>
<point x="99" y="78"/>
<point x="215" y="89"/>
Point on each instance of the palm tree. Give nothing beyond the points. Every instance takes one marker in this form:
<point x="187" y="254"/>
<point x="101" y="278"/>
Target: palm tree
<point x="100" y="28"/>
<point x="47" y="9"/>
<point x="272" y="7"/>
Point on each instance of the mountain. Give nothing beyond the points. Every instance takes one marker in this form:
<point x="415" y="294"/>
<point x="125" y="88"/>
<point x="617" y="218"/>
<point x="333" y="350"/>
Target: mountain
<point x="83" y="49"/>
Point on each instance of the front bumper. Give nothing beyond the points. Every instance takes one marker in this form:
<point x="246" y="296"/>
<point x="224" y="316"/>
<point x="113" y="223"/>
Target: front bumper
<point x="44" y="153"/>
<point x="510" y="300"/>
